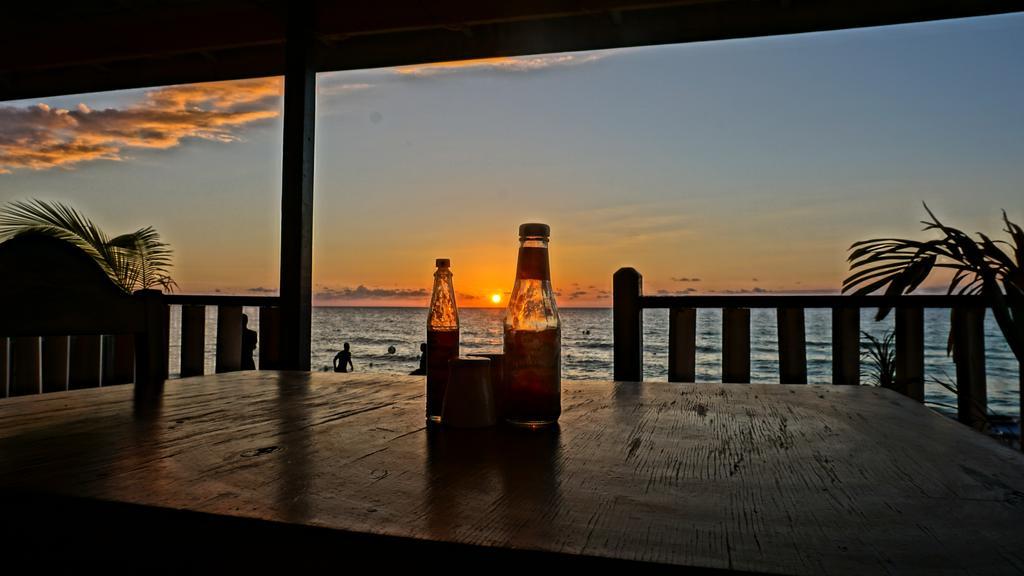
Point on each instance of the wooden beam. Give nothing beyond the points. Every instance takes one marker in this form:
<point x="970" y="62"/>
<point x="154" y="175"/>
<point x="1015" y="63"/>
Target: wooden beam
<point x="627" y="325"/>
<point x="25" y="366"/>
<point x="296" y="281"/>
<point x="682" y="344"/>
<point x="229" y="339"/>
<point x="736" y="345"/>
<point x="270" y="331"/>
<point x="792" y="346"/>
<point x="910" y="352"/>
<point x="969" y="355"/>
<point x="3" y="367"/>
<point x="846" y="346"/>
<point x="84" y="360"/>
<point x="55" y="363"/>
<point x="193" y="340"/>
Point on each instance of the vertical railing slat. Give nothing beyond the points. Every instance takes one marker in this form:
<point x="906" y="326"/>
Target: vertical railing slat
<point x="846" y="346"/>
<point x="682" y="344"/>
<point x="25" y="366"/>
<point x="193" y="340"/>
<point x="84" y="362"/>
<point x="118" y="359"/>
<point x="627" y="325"/>
<point x="269" y="338"/>
<point x="736" y="345"/>
<point x="3" y="367"/>
<point x="792" y="346"/>
<point x="969" y="355"/>
<point x="229" y="339"/>
<point x="910" y="352"/>
<point x="55" y="363"/>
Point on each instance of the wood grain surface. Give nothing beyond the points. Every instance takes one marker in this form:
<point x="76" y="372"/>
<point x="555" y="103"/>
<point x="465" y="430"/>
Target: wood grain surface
<point x="759" y="478"/>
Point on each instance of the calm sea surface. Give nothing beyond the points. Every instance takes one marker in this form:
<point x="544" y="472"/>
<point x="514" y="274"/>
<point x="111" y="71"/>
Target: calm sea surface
<point x="587" y="344"/>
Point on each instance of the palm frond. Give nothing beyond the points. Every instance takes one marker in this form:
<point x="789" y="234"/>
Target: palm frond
<point x="132" y="261"/>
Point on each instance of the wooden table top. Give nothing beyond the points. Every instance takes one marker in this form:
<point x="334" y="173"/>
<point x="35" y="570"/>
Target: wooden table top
<point x="759" y="478"/>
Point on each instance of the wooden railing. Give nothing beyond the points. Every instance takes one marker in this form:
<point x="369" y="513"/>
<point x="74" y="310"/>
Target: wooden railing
<point x="32" y="364"/>
<point x="968" y="333"/>
<point x="229" y="331"/>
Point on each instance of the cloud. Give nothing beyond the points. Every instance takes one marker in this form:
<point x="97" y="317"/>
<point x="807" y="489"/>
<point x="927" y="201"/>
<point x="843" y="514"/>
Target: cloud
<point x="262" y="290"/>
<point x="363" y="293"/>
<point x="465" y="296"/>
<point x="685" y="279"/>
<point x="517" y="64"/>
<point x="331" y="89"/>
<point x="576" y="294"/>
<point x="41" y="137"/>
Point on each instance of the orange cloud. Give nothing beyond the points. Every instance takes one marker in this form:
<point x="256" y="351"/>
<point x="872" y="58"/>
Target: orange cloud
<point x="40" y="137"/>
<point x="517" y="64"/>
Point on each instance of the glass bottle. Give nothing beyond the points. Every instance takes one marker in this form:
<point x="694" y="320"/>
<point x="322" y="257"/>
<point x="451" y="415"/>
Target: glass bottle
<point x="442" y="337"/>
<point x="533" y="336"/>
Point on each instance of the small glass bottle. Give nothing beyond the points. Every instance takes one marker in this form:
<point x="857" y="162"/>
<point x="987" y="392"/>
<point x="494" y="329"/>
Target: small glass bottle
<point x="533" y="336"/>
<point x="442" y="337"/>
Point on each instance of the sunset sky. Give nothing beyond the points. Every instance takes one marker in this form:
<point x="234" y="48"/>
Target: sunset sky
<point x="743" y="165"/>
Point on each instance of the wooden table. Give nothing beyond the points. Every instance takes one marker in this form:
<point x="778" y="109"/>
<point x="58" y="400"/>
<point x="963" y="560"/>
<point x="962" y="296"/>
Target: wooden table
<point x="267" y="469"/>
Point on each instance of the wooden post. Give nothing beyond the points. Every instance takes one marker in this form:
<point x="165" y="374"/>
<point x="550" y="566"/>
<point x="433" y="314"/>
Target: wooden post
<point x="193" y="340"/>
<point x="297" y="189"/>
<point x="910" y="352"/>
<point x="736" y="345"/>
<point x="118" y="359"/>
<point x="84" y="362"/>
<point x="151" y="344"/>
<point x="627" y="325"/>
<point x="25" y="366"/>
<point x="969" y="355"/>
<point x="846" y="346"/>
<point x="229" y="339"/>
<point x="682" y="345"/>
<point x="55" y="363"/>
<point x="270" y="346"/>
<point x="3" y="367"/>
<point x="792" y="346"/>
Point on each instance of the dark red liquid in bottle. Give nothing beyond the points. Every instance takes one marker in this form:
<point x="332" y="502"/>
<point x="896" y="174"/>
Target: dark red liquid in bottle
<point x="442" y="346"/>
<point x="533" y="375"/>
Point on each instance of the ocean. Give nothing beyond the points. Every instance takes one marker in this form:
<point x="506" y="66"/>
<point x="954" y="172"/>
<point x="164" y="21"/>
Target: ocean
<point x="587" y="345"/>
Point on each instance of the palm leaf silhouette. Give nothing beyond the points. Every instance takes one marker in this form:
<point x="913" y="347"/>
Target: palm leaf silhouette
<point x="133" y="261"/>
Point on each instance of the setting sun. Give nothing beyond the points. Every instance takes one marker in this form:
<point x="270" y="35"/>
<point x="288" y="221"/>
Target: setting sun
<point x="496" y="298"/>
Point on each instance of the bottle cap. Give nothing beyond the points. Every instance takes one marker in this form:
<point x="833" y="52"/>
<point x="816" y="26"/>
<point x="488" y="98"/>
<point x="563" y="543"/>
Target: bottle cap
<point x="443" y="263"/>
<point x="534" y="229"/>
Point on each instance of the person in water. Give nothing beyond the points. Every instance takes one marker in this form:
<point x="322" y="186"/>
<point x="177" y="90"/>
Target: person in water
<point x="343" y="360"/>
<point x="423" y="362"/>
<point x="248" y="345"/>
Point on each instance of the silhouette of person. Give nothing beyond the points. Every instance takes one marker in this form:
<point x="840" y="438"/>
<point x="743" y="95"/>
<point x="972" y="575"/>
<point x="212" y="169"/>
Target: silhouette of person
<point x="423" y="362"/>
<point x="249" y="339"/>
<point x="343" y="360"/>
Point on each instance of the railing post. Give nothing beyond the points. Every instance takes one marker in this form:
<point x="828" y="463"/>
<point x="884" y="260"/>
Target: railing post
<point x="229" y="339"/>
<point x="910" y="352"/>
<point x="84" y="362"/>
<point x="627" y="325"/>
<point x="3" y="367"/>
<point x="25" y="366"/>
<point x="151" y="345"/>
<point x="736" y="345"/>
<point x="969" y="355"/>
<point x="269" y="343"/>
<point x="55" y="363"/>
<point x="846" y="346"/>
<point x="682" y="344"/>
<point x="193" y="340"/>
<point x="118" y="359"/>
<point x="792" y="346"/>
